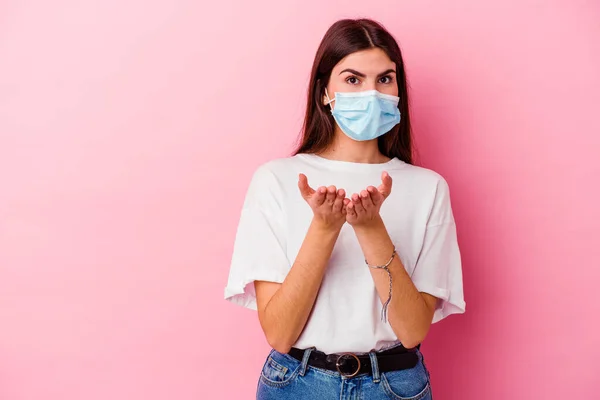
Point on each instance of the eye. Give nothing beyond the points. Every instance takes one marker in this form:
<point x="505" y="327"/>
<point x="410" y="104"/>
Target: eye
<point x="352" y="80"/>
<point x="386" y="79"/>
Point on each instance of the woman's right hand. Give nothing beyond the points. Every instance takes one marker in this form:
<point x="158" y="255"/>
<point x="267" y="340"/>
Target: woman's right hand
<point x="327" y="203"/>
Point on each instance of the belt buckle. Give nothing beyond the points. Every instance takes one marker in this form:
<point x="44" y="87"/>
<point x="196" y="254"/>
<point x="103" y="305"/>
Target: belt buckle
<point x="338" y="364"/>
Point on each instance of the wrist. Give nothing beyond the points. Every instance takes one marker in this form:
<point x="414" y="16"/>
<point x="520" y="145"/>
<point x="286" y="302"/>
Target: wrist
<point x="374" y="241"/>
<point x="367" y="228"/>
<point x="325" y="227"/>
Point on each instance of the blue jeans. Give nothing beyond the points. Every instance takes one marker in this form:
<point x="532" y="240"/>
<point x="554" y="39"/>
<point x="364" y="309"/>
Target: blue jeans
<point x="284" y="377"/>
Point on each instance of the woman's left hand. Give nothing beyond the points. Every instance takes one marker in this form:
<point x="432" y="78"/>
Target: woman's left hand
<point x="362" y="209"/>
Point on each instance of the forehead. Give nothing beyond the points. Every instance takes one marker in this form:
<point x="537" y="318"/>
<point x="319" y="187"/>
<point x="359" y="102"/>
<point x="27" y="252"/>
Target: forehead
<point x="370" y="61"/>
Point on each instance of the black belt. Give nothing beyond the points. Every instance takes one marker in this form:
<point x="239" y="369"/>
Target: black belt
<point x="350" y="364"/>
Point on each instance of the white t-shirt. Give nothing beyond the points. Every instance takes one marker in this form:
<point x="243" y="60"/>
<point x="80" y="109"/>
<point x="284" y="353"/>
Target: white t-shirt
<point x="347" y="312"/>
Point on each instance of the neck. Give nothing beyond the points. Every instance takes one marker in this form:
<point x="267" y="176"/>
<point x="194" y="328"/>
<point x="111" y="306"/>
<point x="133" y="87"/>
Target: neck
<point x="345" y="149"/>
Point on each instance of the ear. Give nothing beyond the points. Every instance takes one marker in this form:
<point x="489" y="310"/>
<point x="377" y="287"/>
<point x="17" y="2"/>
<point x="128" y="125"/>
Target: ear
<point x="322" y="89"/>
<point x="325" y="96"/>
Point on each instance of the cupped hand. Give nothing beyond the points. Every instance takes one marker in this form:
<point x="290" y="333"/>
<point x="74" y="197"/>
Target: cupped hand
<point x="362" y="209"/>
<point x="327" y="203"/>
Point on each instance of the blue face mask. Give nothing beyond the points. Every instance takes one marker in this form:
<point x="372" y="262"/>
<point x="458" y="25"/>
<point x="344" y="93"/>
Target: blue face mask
<point x="365" y="115"/>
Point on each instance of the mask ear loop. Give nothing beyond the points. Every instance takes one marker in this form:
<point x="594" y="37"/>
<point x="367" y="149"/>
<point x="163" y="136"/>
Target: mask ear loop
<point x="329" y="101"/>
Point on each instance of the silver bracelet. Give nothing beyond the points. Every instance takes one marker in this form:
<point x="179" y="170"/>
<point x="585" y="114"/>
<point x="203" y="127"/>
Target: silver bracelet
<point x="386" y="269"/>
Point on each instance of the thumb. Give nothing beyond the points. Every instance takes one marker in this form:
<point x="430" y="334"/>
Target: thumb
<point x="305" y="189"/>
<point x="386" y="184"/>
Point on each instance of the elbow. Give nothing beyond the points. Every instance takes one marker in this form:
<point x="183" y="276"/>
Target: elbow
<point x="411" y="341"/>
<point x="282" y="346"/>
<point x="279" y="341"/>
<point x="410" y="344"/>
<point x="283" y="349"/>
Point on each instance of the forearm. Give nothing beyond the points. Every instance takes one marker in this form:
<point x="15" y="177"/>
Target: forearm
<point x="408" y="313"/>
<point x="287" y="312"/>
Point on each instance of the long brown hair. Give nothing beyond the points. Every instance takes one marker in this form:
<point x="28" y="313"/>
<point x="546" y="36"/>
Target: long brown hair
<point x="342" y="38"/>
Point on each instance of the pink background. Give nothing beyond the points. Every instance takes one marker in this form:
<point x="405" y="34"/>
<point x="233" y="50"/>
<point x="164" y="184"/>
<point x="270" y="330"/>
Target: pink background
<point x="128" y="135"/>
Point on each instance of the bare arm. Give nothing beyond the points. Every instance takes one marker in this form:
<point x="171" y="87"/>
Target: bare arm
<point x="283" y="309"/>
<point x="410" y="311"/>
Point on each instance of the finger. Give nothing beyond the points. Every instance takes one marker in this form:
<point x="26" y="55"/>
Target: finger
<point x="350" y="209"/>
<point x="365" y="199"/>
<point x="320" y="195"/>
<point x="386" y="184"/>
<point x="331" y="195"/>
<point x="345" y="207"/>
<point x="339" y="200"/>
<point x="305" y="190"/>
<point x="376" y="195"/>
<point x="357" y="204"/>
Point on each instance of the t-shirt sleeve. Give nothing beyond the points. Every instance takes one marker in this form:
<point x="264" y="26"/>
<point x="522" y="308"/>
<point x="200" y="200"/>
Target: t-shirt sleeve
<point x="438" y="270"/>
<point x="260" y="241"/>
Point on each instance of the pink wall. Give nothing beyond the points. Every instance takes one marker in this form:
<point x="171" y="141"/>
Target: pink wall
<point x="129" y="131"/>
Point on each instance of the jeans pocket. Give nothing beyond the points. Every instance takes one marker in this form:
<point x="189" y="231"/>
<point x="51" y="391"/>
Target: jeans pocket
<point x="279" y="369"/>
<point x="407" y="384"/>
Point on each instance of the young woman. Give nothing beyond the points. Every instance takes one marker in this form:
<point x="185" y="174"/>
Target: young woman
<point x="347" y="274"/>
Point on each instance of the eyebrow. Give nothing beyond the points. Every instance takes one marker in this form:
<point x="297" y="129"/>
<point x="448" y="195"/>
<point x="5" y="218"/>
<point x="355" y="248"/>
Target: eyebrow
<point x="355" y="72"/>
